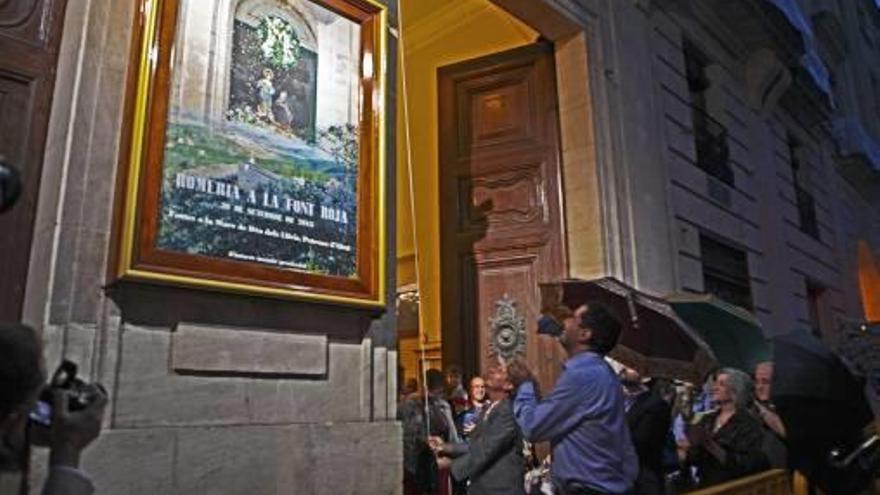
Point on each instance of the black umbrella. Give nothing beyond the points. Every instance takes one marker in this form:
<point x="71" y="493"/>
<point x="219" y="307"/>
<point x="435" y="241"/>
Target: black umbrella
<point x="823" y="407"/>
<point x="653" y="340"/>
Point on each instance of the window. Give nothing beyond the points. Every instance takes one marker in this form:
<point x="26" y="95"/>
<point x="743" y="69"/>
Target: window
<point x="816" y="310"/>
<point x="726" y="272"/>
<point x="710" y="137"/>
<point x="869" y="281"/>
<point x="806" y="204"/>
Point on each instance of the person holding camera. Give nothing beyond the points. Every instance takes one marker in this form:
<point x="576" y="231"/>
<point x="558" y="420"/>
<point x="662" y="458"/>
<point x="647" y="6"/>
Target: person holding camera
<point x="67" y="420"/>
<point x="583" y="417"/>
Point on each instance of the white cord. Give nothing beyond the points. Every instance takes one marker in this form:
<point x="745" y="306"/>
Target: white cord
<point x="412" y="202"/>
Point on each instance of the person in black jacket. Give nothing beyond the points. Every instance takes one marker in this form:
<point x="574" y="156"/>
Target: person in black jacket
<point x="649" y="418"/>
<point x="726" y="444"/>
<point x="774" y="430"/>
<point x="22" y="376"/>
<point x="420" y="471"/>
<point x="493" y="458"/>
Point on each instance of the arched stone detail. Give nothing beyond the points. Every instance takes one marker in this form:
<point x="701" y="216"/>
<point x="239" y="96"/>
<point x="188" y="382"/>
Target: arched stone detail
<point x="302" y="20"/>
<point x="301" y="79"/>
<point x="203" y="56"/>
<point x="204" y="49"/>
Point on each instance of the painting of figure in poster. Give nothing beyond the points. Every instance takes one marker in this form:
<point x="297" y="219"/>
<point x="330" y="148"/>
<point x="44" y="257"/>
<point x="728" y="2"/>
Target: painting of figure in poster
<point x="262" y="135"/>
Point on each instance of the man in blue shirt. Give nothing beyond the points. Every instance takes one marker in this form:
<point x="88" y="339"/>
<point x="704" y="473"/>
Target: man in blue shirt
<point x="583" y="417"/>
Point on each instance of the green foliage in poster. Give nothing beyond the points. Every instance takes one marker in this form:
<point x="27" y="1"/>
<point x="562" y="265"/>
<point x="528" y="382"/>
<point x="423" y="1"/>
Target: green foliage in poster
<point x="279" y="44"/>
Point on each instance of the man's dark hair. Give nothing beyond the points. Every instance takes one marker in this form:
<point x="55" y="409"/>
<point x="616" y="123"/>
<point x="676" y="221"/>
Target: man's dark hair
<point x="434" y="379"/>
<point x="605" y="328"/>
<point x="20" y="371"/>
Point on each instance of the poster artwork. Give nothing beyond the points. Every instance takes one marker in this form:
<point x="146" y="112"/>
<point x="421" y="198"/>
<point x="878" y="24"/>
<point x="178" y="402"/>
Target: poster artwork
<point x="261" y="152"/>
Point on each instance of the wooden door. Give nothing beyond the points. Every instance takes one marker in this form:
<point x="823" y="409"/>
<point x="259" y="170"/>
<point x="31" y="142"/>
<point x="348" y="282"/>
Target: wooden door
<point x="501" y="218"/>
<point x="30" y="33"/>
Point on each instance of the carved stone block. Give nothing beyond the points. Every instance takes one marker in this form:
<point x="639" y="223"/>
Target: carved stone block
<point x="216" y="350"/>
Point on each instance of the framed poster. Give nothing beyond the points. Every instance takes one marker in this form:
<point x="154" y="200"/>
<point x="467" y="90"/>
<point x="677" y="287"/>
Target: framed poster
<point x="255" y="149"/>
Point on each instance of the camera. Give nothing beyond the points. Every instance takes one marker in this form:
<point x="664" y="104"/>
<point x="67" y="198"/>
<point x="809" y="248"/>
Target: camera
<point x="10" y="186"/>
<point x="79" y="393"/>
<point x="548" y="325"/>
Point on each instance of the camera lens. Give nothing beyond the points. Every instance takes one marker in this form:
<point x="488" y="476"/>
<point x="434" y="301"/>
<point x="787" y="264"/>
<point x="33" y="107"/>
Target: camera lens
<point x="10" y="186"/>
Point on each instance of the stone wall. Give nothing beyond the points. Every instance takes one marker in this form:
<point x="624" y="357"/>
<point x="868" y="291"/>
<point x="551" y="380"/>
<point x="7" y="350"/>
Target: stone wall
<point x="653" y="199"/>
<point x="210" y="393"/>
<point x="673" y="201"/>
<point x="314" y="414"/>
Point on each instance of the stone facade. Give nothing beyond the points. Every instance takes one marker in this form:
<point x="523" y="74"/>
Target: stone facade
<point x="666" y="202"/>
<point x="227" y="394"/>
<point x="210" y="393"/>
<point x="778" y="73"/>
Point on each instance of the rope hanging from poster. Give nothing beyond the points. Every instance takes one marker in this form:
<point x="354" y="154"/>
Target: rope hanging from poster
<point x="412" y="208"/>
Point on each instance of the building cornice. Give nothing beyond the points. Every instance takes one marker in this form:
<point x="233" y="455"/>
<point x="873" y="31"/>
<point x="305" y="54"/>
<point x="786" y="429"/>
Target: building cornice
<point x="440" y="23"/>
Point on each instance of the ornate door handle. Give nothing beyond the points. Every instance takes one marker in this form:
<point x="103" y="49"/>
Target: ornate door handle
<point x="507" y="330"/>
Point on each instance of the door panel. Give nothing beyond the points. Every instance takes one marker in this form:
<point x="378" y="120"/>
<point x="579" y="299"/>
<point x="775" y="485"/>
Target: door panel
<point x="499" y="279"/>
<point x="501" y="219"/>
<point x="30" y="32"/>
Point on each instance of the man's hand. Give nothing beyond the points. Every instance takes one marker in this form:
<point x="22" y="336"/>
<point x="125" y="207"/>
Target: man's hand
<point x="73" y="431"/>
<point x="518" y="372"/>
<point x="436" y="444"/>
<point x="771" y="419"/>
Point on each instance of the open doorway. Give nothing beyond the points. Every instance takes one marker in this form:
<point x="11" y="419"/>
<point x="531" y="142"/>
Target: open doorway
<point x="433" y="36"/>
<point x="498" y="114"/>
<point x="501" y="222"/>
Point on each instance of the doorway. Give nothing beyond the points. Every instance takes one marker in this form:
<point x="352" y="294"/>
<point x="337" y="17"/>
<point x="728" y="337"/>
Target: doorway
<point x="498" y="114"/>
<point x="434" y="33"/>
<point x="501" y="222"/>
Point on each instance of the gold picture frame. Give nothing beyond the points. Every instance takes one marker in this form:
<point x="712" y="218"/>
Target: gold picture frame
<point x="253" y="155"/>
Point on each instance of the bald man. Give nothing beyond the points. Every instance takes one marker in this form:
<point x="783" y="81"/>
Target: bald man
<point x="492" y="459"/>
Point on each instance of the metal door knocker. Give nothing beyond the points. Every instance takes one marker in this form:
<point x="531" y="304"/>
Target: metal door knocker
<point x="507" y="330"/>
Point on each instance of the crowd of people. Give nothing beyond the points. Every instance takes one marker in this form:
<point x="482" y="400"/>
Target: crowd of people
<point x="610" y="430"/>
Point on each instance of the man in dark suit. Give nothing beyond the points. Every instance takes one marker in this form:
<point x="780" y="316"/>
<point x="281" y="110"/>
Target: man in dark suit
<point x="648" y="417"/>
<point x="492" y="459"/>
